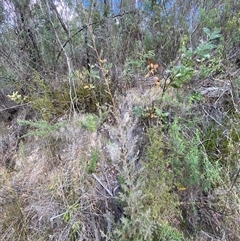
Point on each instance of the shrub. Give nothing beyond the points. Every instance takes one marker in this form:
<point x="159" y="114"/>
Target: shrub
<point x="150" y="208"/>
<point x="137" y="223"/>
<point x="90" y="123"/>
<point x="41" y="128"/>
<point x="202" y="57"/>
<point x="92" y="163"/>
<point x="189" y="160"/>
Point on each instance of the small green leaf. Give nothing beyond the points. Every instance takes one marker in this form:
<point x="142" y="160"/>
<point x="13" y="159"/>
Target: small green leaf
<point x="178" y="75"/>
<point x="66" y="217"/>
<point x="215" y="34"/>
<point x="165" y="114"/>
<point x="207" y="31"/>
<point x="175" y="85"/>
<point x="138" y="111"/>
<point x="158" y="112"/>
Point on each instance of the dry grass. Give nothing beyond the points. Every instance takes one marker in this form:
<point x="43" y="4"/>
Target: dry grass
<point x="52" y="195"/>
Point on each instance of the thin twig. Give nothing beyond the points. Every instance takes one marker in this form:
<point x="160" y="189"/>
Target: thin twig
<point x="100" y="182"/>
<point x="57" y="216"/>
<point x="13" y="107"/>
<point x="71" y="86"/>
<point x="101" y="67"/>
<point x="87" y="26"/>
<point x="212" y="117"/>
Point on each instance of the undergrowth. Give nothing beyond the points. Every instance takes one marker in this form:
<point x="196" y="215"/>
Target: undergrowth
<point x="181" y="183"/>
<point x="189" y="160"/>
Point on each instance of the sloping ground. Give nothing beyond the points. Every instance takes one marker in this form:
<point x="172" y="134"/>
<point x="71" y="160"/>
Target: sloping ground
<point x="68" y="177"/>
<point x="64" y="180"/>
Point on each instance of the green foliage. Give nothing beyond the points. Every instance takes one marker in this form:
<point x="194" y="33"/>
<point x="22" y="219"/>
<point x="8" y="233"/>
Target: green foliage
<point x="137" y="228"/>
<point x="88" y="96"/>
<point x="39" y="97"/>
<point x="16" y="97"/>
<point x="181" y="75"/>
<point x="137" y="223"/>
<point x="137" y="65"/>
<point x="225" y="139"/>
<point x="158" y="180"/>
<point x="225" y="18"/>
<point x="149" y="206"/>
<point x="66" y="216"/>
<point x="90" y="91"/>
<point x="200" y="58"/>
<point x="90" y="123"/>
<point x="194" y="97"/>
<point x="189" y="161"/>
<point x="151" y="112"/>
<point x="41" y="128"/>
<point x="48" y="66"/>
<point x="209" y="17"/>
<point x="163" y="35"/>
<point x="204" y="49"/>
<point x="92" y="162"/>
<point x="165" y="232"/>
<point x="12" y="214"/>
<point x="68" y="219"/>
<point x="73" y="234"/>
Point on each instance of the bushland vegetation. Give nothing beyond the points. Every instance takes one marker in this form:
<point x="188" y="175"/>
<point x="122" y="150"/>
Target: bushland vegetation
<point x="119" y="120"/>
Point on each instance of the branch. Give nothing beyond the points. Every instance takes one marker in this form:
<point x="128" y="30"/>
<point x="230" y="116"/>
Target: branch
<point x="13" y="107"/>
<point x="59" y="18"/>
<point x="100" y="182"/>
<point x="72" y="87"/>
<point x="86" y="26"/>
